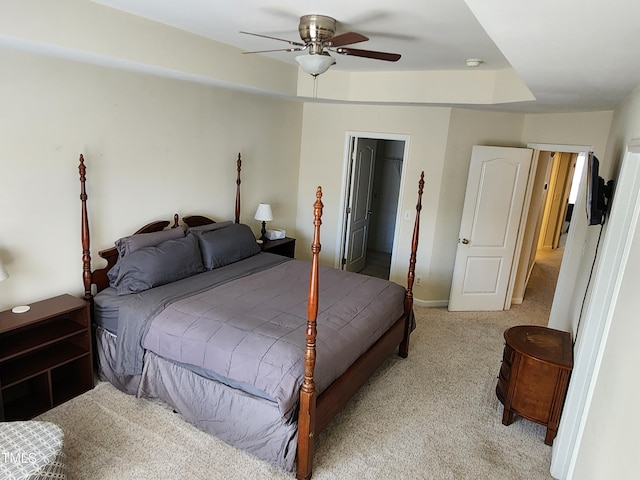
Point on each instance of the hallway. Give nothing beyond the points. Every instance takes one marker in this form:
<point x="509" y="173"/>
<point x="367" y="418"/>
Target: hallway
<point x="542" y="283"/>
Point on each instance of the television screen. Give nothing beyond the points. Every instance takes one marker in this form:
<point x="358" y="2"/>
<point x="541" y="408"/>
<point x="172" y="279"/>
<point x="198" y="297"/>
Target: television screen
<point x="596" y="193"/>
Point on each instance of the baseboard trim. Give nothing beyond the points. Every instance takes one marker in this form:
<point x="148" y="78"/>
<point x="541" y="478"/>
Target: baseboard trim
<point x="431" y="303"/>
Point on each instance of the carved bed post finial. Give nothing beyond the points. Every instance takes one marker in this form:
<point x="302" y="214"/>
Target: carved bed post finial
<point x="86" y="251"/>
<point x="312" y="304"/>
<point x="238" y="181"/>
<point x="307" y="411"/>
<point x="414" y="241"/>
<point x="408" y="299"/>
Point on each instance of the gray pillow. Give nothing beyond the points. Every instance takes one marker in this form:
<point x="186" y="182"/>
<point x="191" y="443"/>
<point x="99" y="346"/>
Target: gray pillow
<point x="211" y="226"/>
<point x="130" y="244"/>
<point x="153" y="266"/>
<point x="227" y="245"/>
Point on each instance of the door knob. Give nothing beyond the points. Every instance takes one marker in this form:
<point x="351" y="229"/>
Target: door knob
<point x="464" y="241"/>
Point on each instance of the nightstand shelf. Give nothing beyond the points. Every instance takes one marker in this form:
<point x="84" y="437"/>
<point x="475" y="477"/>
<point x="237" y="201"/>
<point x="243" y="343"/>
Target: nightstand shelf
<point x="45" y="356"/>
<point x="51" y="333"/>
<point x="284" y="246"/>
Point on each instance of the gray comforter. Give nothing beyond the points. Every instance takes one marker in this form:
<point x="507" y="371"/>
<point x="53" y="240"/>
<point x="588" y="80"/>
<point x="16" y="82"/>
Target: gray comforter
<point x="131" y="315"/>
<point x="245" y="325"/>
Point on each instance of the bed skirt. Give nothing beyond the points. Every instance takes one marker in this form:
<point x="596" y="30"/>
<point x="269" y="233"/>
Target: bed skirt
<point x="105" y="354"/>
<point x="249" y="423"/>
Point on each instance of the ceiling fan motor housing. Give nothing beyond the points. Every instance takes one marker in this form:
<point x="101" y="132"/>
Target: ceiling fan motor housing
<point x="315" y="30"/>
<point x="318" y="32"/>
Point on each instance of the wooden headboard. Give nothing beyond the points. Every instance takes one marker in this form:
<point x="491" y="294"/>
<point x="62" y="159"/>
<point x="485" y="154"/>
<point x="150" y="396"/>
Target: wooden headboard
<point x="99" y="277"/>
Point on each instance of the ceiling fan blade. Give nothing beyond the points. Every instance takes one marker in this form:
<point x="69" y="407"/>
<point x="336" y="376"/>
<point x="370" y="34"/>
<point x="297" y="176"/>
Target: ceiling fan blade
<point x="348" y="38"/>
<point x="389" y="57"/>
<point x="297" y="44"/>
<point x="297" y="49"/>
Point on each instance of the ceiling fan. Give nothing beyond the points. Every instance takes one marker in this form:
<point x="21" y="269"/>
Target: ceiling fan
<point x="318" y="35"/>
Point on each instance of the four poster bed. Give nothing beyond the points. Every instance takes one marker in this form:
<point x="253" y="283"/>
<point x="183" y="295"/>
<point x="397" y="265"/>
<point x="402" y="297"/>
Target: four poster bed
<point x="200" y="318"/>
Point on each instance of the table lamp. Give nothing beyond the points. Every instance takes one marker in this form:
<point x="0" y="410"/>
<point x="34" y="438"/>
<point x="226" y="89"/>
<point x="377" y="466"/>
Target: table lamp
<point x="263" y="214"/>
<point x="3" y="276"/>
<point x="3" y="272"/>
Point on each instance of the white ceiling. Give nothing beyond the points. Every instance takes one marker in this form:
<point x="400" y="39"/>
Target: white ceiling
<point x="574" y="55"/>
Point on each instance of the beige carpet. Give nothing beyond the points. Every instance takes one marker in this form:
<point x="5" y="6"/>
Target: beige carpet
<point x="433" y="415"/>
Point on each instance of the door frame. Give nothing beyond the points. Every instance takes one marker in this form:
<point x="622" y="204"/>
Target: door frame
<point x="350" y="136"/>
<point x="562" y="297"/>
<point x="624" y="216"/>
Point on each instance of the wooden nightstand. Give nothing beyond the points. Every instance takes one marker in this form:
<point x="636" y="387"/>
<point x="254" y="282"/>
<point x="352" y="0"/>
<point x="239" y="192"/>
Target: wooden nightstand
<point x="45" y="356"/>
<point x="284" y="246"/>
<point x="533" y="379"/>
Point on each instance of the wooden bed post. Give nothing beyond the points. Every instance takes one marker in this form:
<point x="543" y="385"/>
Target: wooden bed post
<point x="238" y="181"/>
<point x="408" y="299"/>
<point x="307" y="413"/>
<point x="86" y="251"/>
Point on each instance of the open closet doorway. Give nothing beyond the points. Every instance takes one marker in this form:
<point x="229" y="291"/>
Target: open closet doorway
<point x="373" y="178"/>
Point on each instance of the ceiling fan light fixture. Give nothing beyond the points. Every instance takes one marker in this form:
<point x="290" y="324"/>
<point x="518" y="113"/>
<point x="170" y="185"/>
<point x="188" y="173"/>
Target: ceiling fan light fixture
<point x="315" y="64"/>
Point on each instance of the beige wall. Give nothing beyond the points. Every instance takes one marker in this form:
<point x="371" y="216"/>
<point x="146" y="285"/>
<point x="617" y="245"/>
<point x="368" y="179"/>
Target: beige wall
<point x="440" y="143"/>
<point x="153" y="147"/>
<point x="140" y="132"/>
<point x="467" y="128"/>
<point x="89" y="31"/>
<point x="590" y="128"/>
<point x="470" y="87"/>
<point x="322" y="162"/>
<point x="210" y="120"/>
<point x="607" y="448"/>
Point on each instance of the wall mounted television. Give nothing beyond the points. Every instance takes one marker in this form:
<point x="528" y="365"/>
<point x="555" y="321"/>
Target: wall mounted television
<point x="598" y="193"/>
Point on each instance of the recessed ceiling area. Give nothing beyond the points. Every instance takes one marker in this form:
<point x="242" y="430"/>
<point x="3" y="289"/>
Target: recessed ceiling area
<point x="539" y="56"/>
<point x="430" y="34"/>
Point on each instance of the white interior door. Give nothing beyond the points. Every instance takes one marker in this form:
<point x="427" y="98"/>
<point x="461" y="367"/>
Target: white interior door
<point x="494" y="199"/>
<point x="359" y="207"/>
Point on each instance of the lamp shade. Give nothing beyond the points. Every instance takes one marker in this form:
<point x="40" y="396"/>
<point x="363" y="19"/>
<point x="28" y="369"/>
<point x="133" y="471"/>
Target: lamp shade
<point x="3" y="272"/>
<point x="263" y="213"/>
<point x="315" y="64"/>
